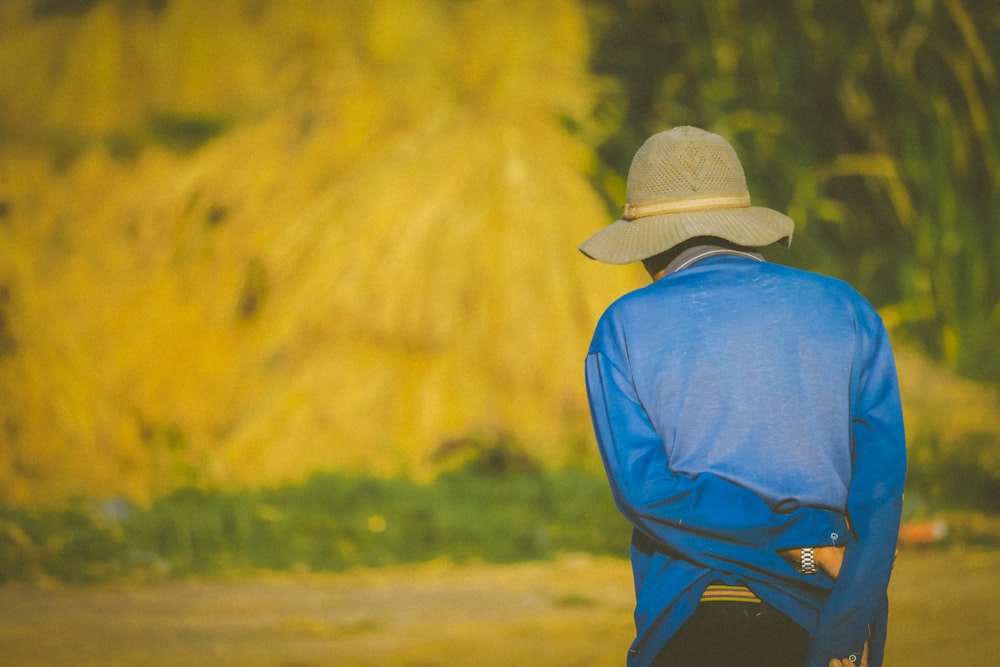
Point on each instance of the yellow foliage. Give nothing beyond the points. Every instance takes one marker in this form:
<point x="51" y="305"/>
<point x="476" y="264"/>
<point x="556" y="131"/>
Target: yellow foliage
<point x="957" y="417"/>
<point x="379" y="254"/>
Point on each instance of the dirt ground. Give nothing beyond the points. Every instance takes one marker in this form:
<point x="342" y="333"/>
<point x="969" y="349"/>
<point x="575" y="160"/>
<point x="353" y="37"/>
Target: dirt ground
<point x="574" y="612"/>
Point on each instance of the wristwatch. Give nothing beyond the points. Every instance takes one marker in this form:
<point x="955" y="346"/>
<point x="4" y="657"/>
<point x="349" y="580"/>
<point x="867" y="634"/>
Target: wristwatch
<point x="808" y="563"/>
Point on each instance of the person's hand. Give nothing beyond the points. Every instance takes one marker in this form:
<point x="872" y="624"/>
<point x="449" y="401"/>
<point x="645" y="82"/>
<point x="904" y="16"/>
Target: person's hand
<point x="829" y="559"/>
<point x="845" y="662"/>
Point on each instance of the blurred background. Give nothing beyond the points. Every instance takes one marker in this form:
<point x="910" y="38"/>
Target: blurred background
<point x="295" y="284"/>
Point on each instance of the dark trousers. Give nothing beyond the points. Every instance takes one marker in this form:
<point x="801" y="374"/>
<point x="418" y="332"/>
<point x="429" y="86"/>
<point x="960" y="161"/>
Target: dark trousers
<point x="747" y="634"/>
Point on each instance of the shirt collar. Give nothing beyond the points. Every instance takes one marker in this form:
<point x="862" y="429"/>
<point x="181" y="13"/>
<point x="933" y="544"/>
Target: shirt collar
<point x="700" y="252"/>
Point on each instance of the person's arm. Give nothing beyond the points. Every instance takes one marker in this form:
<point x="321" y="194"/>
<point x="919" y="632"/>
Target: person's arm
<point x="856" y="609"/>
<point x="828" y="560"/>
<point x="703" y="518"/>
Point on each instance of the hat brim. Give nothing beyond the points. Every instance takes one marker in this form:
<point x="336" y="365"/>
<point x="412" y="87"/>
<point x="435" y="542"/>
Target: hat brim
<point x="627" y="241"/>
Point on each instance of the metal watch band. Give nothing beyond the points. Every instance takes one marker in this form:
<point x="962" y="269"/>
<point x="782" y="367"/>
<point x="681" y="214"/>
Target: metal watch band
<point x="808" y="563"/>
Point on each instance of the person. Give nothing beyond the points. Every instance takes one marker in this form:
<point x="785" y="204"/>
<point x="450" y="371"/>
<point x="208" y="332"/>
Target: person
<point x="749" y="421"/>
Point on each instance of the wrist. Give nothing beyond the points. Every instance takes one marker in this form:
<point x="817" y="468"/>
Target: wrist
<point x="829" y="560"/>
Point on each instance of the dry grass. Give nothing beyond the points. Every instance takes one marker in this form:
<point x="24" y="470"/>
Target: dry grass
<point x="379" y="252"/>
<point x="242" y="241"/>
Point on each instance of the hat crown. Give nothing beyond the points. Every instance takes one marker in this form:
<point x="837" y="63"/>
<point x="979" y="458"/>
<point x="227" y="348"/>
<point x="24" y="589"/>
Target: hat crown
<point x="685" y="183"/>
<point x="684" y="162"/>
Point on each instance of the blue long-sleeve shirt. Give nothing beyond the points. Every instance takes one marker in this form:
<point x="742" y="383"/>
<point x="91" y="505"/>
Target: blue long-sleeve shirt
<point x="741" y="408"/>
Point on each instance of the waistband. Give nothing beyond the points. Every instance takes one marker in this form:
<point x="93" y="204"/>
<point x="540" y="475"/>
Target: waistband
<point x="728" y="593"/>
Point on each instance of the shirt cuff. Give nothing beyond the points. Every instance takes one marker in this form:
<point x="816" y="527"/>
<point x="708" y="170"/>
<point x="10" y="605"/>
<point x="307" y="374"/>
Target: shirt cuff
<point x="812" y="527"/>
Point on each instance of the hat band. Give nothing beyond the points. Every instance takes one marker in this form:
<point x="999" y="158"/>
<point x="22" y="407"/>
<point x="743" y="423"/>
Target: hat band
<point x="685" y="205"/>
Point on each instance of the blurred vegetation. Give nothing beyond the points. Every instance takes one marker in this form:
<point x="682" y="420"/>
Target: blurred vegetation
<point x="494" y="503"/>
<point x="953" y="432"/>
<point x="242" y="242"/>
<point x="478" y="511"/>
<point x="874" y="123"/>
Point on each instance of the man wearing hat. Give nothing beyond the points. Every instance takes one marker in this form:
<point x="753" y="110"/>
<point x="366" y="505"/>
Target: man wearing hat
<point x="749" y="421"/>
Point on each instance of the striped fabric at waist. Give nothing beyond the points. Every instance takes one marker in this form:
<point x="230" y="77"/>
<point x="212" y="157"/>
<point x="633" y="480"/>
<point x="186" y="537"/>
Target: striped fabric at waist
<point x="728" y="593"/>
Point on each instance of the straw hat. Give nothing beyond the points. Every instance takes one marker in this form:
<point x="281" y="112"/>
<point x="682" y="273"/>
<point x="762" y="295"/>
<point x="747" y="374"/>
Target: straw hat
<point x="685" y="183"/>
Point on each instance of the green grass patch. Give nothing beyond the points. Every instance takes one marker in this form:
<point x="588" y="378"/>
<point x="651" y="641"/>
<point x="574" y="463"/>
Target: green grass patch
<point x="328" y="523"/>
<point x="333" y="522"/>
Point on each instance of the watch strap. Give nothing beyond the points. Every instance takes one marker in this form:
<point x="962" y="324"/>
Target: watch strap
<point x="807" y="564"/>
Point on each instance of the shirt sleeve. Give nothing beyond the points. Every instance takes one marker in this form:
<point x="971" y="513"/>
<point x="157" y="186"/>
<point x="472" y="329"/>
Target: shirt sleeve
<point x="857" y="606"/>
<point x="703" y="518"/>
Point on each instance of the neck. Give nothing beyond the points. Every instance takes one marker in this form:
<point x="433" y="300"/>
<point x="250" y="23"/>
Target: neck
<point x="688" y="253"/>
